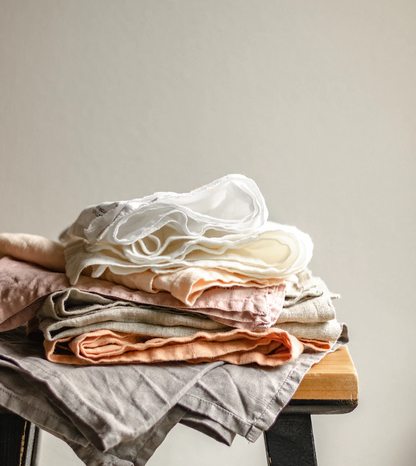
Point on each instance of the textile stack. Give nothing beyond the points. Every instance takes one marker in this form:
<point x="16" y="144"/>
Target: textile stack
<point x="201" y="285"/>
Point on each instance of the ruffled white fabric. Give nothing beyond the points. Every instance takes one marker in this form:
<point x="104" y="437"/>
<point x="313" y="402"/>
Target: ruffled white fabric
<point x="165" y="221"/>
<point x="221" y="225"/>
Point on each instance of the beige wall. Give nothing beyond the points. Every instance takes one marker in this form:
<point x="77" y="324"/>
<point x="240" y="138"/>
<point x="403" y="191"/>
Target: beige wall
<point x="107" y="100"/>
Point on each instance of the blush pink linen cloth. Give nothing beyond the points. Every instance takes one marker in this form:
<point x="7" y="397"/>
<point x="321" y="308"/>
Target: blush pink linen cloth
<point x="186" y="285"/>
<point x="24" y="286"/>
<point x="271" y="347"/>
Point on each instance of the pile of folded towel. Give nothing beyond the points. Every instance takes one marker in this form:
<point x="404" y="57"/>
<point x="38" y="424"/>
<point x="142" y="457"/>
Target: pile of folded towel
<point x="201" y="277"/>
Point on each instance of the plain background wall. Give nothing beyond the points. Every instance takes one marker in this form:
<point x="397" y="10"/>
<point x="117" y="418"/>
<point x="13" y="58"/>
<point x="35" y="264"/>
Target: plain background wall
<point x="316" y="101"/>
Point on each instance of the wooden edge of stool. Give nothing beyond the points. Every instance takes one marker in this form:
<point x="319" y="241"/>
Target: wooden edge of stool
<point x="331" y="384"/>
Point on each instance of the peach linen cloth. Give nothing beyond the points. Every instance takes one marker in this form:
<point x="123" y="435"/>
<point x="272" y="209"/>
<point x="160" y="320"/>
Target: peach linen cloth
<point x="271" y="347"/>
<point x="24" y="287"/>
<point x="33" y="248"/>
<point x="186" y="285"/>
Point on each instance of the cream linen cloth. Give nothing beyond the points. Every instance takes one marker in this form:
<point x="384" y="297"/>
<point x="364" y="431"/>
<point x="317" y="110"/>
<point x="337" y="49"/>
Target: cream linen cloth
<point x="221" y="225"/>
<point x="323" y="331"/>
<point x="273" y="251"/>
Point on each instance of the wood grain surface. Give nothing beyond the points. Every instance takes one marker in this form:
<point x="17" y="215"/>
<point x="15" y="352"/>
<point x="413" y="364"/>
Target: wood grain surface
<point x="333" y="378"/>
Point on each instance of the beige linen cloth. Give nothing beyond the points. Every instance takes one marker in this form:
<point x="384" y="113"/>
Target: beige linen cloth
<point x="33" y="248"/>
<point x="271" y="347"/>
<point x="73" y="312"/>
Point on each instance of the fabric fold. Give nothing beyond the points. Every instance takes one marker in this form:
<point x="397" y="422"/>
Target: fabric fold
<point x="274" y="251"/>
<point x="222" y="225"/>
<point x="121" y="422"/>
<point x="73" y="312"/>
<point x="272" y="347"/>
<point x="24" y="286"/>
<point x="231" y="204"/>
<point x="187" y="285"/>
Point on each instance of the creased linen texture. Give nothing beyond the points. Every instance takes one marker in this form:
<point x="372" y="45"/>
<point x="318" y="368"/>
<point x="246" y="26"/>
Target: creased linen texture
<point x="24" y="286"/>
<point x="188" y="308"/>
<point x="97" y="330"/>
<point x="272" y="347"/>
<point x="243" y="400"/>
<point x="187" y="285"/>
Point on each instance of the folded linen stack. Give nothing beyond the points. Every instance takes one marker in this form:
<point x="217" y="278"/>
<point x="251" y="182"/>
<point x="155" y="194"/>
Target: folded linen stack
<point x="201" y="277"/>
<point x="210" y="275"/>
<point x="212" y="246"/>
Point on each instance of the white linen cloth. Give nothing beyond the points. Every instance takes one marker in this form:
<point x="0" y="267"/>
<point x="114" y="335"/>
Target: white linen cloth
<point x="231" y="204"/>
<point x="221" y="225"/>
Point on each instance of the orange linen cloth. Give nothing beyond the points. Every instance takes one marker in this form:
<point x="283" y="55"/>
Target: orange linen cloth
<point x="271" y="347"/>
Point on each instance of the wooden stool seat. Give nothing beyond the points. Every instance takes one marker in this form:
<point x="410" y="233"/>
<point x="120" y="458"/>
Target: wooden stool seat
<point x="333" y="378"/>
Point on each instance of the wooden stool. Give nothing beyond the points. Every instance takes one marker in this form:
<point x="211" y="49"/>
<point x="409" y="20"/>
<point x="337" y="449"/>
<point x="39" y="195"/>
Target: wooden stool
<point x="330" y="387"/>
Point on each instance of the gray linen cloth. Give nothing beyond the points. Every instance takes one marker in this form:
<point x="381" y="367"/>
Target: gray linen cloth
<point x="118" y="415"/>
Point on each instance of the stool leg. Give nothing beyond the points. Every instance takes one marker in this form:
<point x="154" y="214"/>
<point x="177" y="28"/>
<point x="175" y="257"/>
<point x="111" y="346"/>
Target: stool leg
<point x="289" y="442"/>
<point x="18" y="441"/>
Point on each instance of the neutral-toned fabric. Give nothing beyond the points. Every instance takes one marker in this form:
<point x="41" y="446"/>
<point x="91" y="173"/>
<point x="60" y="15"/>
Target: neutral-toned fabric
<point x="188" y="284"/>
<point x="272" y="347"/>
<point x="33" y="248"/>
<point x="231" y="204"/>
<point x="307" y="300"/>
<point x="327" y="331"/>
<point x="318" y="308"/>
<point x="24" y="286"/>
<point x="72" y="312"/>
<point x="184" y="284"/>
<point x="273" y="251"/>
<point x="140" y="403"/>
<point x="306" y="286"/>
